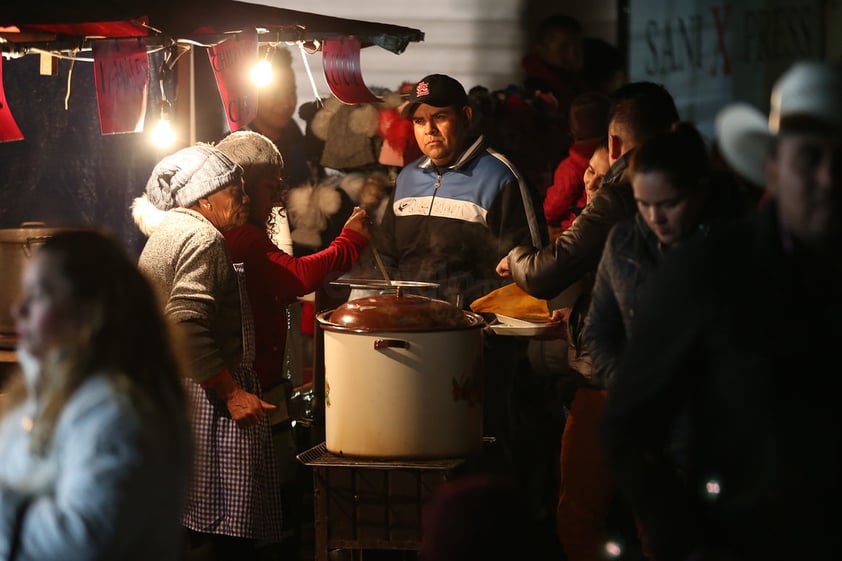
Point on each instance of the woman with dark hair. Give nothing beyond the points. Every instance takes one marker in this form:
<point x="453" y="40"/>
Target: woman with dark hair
<point x="676" y="199"/>
<point x="670" y="180"/>
<point x="94" y="436"/>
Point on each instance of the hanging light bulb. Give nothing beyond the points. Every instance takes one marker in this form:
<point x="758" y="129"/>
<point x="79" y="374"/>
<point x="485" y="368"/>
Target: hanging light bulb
<point x="261" y="72"/>
<point x="163" y="135"/>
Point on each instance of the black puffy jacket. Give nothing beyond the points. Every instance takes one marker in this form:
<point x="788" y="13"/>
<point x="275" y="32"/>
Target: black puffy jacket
<point x="546" y="272"/>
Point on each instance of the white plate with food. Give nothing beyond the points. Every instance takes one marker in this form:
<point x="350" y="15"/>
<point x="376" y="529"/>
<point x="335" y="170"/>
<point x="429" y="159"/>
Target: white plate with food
<point x="505" y="325"/>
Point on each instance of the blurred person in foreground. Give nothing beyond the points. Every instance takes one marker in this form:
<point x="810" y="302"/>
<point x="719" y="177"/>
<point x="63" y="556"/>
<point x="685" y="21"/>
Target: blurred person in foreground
<point x="273" y="280"/>
<point x="192" y="196"/>
<point x="94" y="436"/>
<point x="744" y="327"/>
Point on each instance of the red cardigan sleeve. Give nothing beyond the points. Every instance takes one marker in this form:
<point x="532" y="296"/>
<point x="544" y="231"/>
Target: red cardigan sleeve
<point x="284" y="275"/>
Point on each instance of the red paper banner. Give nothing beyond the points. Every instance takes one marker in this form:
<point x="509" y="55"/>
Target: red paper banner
<point x="232" y="62"/>
<point x="121" y="72"/>
<point x="8" y="127"/>
<point x="341" y="62"/>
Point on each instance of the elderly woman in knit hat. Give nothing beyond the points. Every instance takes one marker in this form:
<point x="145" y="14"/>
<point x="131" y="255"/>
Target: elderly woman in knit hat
<point x="192" y="197"/>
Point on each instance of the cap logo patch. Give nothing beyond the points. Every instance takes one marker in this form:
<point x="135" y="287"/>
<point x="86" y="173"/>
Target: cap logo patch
<point x="422" y="89"/>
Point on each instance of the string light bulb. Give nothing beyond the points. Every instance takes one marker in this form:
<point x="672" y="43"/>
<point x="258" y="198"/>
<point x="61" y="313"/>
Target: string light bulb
<point x="261" y="72"/>
<point x="163" y="135"/>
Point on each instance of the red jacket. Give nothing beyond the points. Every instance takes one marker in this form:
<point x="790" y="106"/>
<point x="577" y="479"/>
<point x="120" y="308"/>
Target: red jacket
<point x="568" y="189"/>
<point x="274" y="279"/>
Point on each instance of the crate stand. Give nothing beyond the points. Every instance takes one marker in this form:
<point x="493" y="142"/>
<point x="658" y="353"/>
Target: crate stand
<point x="363" y="503"/>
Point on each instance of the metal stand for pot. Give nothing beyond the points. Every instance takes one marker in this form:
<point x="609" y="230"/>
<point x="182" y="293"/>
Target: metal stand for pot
<point x="371" y="504"/>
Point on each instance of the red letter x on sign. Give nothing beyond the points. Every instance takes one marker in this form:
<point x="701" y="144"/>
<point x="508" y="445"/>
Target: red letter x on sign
<point x="721" y="23"/>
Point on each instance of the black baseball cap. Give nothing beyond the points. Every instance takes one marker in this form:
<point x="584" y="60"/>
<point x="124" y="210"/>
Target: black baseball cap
<point x="438" y="90"/>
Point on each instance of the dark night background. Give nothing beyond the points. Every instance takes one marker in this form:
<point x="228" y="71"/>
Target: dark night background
<point x="65" y="173"/>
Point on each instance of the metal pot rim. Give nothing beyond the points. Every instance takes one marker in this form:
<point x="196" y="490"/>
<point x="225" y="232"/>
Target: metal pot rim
<point x="474" y="321"/>
<point x="27" y="233"/>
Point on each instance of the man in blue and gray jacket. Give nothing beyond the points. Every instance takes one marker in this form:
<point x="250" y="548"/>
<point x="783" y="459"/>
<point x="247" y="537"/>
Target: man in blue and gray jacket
<point x="461" y="207"/>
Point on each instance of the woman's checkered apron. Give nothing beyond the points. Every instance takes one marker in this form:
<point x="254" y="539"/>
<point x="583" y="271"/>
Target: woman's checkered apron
<point x="235" y="488"/>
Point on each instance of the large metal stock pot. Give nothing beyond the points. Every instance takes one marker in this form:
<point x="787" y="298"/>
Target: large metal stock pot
<point x="402" y="378"/>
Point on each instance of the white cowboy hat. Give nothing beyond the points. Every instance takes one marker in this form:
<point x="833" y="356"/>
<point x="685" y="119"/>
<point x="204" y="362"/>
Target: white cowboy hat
<point x="808" y="95"/>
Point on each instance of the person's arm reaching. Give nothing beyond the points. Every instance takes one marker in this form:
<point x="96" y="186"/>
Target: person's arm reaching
<point x="545" y="273"/>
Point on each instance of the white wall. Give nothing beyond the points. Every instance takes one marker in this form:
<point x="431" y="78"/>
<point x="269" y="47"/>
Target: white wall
<point x="478" y="42"/>
<point x="707" y="55"/>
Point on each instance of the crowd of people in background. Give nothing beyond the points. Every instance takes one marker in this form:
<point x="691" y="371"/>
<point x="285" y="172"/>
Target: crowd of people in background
<point x="686" y="410"/>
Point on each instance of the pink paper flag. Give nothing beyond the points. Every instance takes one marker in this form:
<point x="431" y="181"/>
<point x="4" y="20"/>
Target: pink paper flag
<point x="8" y="127"/>
<point x="341" y="62"/>
<point x="121" y="73"/>
<point x="232" y="62"/>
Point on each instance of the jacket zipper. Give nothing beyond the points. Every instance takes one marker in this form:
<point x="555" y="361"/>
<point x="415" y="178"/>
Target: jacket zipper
<point x="435" y="190"/>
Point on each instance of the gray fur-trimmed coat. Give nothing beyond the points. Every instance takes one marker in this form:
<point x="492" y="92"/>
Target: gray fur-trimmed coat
<point x="187" y="260"/>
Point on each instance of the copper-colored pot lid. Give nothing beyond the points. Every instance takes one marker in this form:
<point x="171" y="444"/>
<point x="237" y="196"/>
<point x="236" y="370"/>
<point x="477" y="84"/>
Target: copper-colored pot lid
<point x="396" y="312"/>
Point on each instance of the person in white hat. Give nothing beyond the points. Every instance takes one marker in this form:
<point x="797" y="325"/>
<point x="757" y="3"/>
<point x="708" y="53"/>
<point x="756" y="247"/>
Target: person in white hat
<point x="736" y="341"/>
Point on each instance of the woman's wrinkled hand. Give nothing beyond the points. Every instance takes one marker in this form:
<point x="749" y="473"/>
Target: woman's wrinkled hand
<point x="358" y="222"/>
<point x="246" y="408"/>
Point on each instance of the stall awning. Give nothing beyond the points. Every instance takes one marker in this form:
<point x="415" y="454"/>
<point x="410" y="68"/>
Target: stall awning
<point x="63" y="22"/>
<point x="121" y="32"/>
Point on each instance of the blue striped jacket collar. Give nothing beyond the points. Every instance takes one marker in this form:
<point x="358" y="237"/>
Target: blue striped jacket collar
<point x="466" y="157"/>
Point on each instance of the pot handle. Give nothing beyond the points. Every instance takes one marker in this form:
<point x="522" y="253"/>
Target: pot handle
<point x="28" y="248"/>
<point x="390" y="343"/>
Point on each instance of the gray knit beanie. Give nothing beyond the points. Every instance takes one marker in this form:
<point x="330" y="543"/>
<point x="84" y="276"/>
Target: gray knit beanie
<point x="257" y="155"/>
<point x="182" y="178"/>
